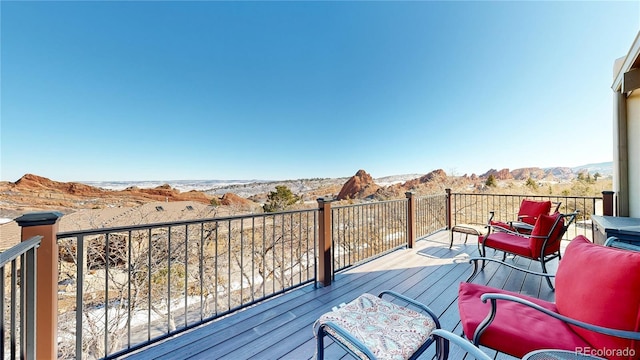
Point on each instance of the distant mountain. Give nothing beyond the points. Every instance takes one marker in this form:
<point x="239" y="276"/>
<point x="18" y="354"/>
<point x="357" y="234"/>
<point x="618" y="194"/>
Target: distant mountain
<point x="604" y="168"/>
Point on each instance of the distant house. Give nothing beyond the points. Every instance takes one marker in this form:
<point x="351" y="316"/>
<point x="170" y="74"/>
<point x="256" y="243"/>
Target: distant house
<point x="626" y="131"/>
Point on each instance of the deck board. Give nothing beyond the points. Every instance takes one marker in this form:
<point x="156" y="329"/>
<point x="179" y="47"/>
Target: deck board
<point x="281" y="327"/>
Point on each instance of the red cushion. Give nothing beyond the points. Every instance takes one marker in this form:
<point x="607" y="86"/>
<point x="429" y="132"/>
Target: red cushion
<point x="543" y="228"/>
<point x="601" y="286"/>
<point x="530" y="210"/>
<point x="511" y="243"/>
<point x="514" y="334"/>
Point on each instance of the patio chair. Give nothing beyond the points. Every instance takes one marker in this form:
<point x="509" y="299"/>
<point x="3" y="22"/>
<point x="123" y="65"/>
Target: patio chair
<point x="370" y="327"/>
<point x="528" y="214"/>
<point x="542" y="244"/>
<point x="596" y="309"/>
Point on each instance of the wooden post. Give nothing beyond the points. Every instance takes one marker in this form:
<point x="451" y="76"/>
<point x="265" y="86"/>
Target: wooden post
<point x="411" y="219"/>
<point x="45" y="224"/>
<point x="607" y="203"/>
<point x="448" y="208"/>
<point x="324" y="242"/>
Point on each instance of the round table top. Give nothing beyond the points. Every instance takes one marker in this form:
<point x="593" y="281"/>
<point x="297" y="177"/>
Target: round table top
<point x="551" y="354"/>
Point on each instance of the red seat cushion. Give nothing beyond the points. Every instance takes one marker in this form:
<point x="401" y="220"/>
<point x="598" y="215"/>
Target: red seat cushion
<point x="601" y="286"/>
<point x="543" y="228"/>
<point x="531" y="209"/>
<point x="511" y="243"/>
<point x="517" y="329"/>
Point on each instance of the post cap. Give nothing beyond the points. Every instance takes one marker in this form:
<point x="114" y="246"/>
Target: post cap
<point x="39" y="218"/>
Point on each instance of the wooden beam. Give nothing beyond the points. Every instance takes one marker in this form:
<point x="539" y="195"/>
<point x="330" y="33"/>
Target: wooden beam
<point x="631" y="80"/>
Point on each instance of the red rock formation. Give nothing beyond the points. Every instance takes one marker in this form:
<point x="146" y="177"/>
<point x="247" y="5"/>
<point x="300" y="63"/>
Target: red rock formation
<point x="41" y="191"/>
<point x="526" y="173"/>
<point x="560" y="172"/>
<point x="359" y="186"/>
<point x="437" y="175"/>
<point x="235" y="200"/>
<point x="503" y="174"/>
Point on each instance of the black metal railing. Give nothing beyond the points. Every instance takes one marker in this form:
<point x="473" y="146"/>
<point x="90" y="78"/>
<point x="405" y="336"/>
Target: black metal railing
<point x="475" y="208"/>
<point x="364" y="231"/>
<point x="18" y="300"/>
<point x="139" y="284"/>
<point x="430" y="214"/>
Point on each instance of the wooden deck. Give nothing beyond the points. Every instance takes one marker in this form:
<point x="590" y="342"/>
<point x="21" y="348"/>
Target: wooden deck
<point x="281" y="327"/>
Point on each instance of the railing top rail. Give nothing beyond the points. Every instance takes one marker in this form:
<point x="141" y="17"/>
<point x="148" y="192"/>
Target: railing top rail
<point x="532" y="196"/>
<point x="430" y="196"/>
<point x="369" y="203"/>
<point x="19" y="249"/>
<point x="74" y="233"/>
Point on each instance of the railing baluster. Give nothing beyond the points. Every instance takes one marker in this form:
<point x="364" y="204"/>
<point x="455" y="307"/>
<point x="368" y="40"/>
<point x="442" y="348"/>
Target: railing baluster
<point x="106" y="296"/>
<point x="253" y="263"/>
<point x="81" y="266"/>
<point x="186" y="273"/>
<point x="201" y="270"/>
<point x="129" y="249"/>
<point x="149" y="236"/>
<point x="215" y="267"/>
<point x="2" y="307"/>
<point x="14" y="322"/>
<point x="229" y="264"/>
<point x="241" y="261"/>
<point x="264" y="259"/>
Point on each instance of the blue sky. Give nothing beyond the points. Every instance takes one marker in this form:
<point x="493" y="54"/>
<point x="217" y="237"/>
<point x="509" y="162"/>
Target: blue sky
<point x="95" y="91"/>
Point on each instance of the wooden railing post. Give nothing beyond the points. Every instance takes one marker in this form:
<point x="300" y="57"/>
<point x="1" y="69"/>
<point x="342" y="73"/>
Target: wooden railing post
<point x="325" y="260"/>
<point x="45" y="224"/>
<point x="607" y="203"/>
<point x="448" y="208"/>
<point x="411" y="219"/>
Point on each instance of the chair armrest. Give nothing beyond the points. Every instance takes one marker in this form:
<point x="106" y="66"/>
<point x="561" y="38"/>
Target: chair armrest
<point x="463" y="343"/>
<point x="474" y="261"/>
<point x="521" y="225"/>
<point x="411" y="301"/>
<point x="494" y="297"/>
<point x="320" y="331"/>
<point x="501" y="229"/>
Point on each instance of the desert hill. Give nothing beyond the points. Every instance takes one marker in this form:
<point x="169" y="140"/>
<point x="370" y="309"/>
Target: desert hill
<point x="36" y="193"/>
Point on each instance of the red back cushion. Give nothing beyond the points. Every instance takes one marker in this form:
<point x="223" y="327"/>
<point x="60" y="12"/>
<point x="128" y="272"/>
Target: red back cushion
<point x="530" y="210"/>
<point x="601" y="286"/>
<point x="543" y="228"/>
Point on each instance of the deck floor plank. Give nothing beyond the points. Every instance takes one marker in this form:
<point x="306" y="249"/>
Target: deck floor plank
<point x="281" y="327"/>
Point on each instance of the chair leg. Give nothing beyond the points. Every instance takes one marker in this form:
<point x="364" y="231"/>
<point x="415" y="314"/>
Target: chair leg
<point x="442" y="349"/>
<point x="320" y="345"/>
<point x="450" y="239"/>
<point x="544" y="270"/>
